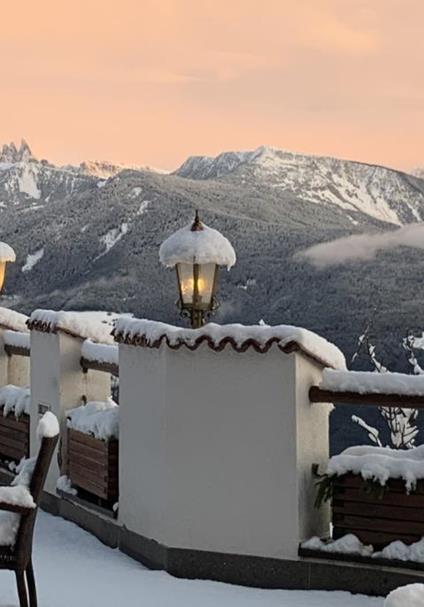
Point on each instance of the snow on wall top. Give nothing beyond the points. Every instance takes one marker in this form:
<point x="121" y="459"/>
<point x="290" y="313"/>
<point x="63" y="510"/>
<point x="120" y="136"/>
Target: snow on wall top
<point x="367" y="382"/>
<point x="13" y="320"/>
<point x="102" y="353"/>
<point x="197" y="243"/>
<point x="74" y="323"/>
<point x="151" y="334"/>
<point x="6" y="252"/>
<point x="380" y="464"/>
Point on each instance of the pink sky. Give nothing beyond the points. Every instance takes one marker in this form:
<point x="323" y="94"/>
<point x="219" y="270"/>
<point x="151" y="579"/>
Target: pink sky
<point x="151" y="82"/>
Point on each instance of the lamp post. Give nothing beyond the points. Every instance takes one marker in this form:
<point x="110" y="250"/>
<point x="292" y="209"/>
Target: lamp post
<point x="196" y="252"/>
<point x="7" y="254"/>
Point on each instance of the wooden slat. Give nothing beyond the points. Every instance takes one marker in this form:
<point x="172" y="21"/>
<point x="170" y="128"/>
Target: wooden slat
<point x="378" y="539"/>
<point x="11" y="422"/>
<point x="111" y="368"/>
<point x="8" y="451"/>
<point x="87" y="485"/>
<point x="11" y="442"/>
<point x="317" y="395"/>
<point x="91" y="455"/>
<point x="390" y="498"/>
<point x="15" y="434"/>
<point x="95" y="465"/>
<point x="89" y="441"/>
<point x="378" y="511"/>
<point x="393" y="485"/>
<point x="386" y="525"/>
<point x="99" y="478"/>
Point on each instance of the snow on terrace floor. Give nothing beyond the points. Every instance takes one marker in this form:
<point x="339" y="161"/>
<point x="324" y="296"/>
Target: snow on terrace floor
<point x="73" y="568"/>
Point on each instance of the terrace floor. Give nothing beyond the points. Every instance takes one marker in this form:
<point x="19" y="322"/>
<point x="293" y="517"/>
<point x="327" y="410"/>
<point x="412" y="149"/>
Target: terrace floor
<point x="74" y="569"/>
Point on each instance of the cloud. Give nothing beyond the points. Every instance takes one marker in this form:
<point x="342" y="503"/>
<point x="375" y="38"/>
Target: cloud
<point x="362" y="246"/>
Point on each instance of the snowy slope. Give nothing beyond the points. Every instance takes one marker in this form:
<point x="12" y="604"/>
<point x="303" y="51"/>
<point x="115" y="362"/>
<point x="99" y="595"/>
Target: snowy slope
<point x="74" y="568"/>
<point x="379" y="192"/>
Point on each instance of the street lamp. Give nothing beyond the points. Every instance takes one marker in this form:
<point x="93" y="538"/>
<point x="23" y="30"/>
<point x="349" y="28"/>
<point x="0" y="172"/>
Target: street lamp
<point x="6" y="254"/>
<point x="196" y="251"/>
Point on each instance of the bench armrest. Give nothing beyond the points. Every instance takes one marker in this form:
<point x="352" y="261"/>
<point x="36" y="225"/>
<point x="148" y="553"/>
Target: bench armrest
<point x="15" y="508"/>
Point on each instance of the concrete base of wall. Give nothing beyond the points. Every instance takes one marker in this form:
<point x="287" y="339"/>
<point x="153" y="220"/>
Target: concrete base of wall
<point x="302" y="574"/>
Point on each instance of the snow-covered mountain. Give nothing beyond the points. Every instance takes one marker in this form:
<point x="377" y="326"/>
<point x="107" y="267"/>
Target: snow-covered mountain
<point x="29" y="182"/>
<point x="382" y="193"/>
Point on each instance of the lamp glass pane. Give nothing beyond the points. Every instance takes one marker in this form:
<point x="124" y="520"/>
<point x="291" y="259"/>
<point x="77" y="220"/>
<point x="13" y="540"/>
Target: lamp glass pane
<point x="2" y="273"/>
<point x="205" y="283"/>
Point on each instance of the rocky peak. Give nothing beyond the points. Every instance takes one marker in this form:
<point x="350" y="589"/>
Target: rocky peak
<point x="11" y="154"/>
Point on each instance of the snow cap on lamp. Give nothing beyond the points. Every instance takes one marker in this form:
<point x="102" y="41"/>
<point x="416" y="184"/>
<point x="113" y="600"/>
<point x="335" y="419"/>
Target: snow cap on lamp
<point x="197" y="243"/>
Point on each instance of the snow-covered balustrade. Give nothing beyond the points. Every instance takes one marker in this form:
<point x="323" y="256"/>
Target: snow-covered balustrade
<point x="377" y="494"/>
<point x="219" y="423"/>
<point x="101" y="357"/>
<point x="92" y="450"/>
<point x="58" y="382"/>
<point x="15" y="404"/>
<point x="362" y="387"/>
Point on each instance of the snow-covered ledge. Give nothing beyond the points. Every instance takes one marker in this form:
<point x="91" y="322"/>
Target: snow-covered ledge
<point x="220" y="424"/>
<point x="58" y="381"/>
<point x="13" y="330"/>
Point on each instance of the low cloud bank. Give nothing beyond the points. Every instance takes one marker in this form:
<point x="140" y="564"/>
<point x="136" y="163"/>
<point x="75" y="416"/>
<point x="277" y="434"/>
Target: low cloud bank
<point x="362" y="246"/>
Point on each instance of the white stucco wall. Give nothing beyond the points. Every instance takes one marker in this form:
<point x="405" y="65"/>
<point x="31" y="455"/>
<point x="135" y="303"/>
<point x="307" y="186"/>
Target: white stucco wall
<point x="58" y="382"/>
<point x="216" y="449"/>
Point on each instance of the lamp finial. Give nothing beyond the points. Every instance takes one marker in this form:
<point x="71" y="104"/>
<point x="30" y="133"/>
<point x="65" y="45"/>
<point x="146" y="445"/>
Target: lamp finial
<point x="197" y="224"/>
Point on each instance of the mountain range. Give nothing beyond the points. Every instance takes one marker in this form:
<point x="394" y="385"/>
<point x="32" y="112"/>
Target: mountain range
<point x="87" y="237"/>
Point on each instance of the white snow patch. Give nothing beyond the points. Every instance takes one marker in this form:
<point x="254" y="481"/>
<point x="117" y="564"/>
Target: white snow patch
<point x="399" y="551"/>
<point x="13" y="320"/>
<point x="97" y="418"/>
<point x="204" y="246"/>
<point x="135" y="192"/>
<point x="15" y="399"/>
<point x="367" y="382"/>
<point x="348" y="544"/>
<point x="143" y="207"/>
<point x="64" y="484"/>
<point x="112" y="237"/>
<point x="380" y="464"/>
<point x="27" y="182"/>
<point x="18" y="496"/>
<point x="85" y="325"/>
<point x="101" y="353"/>
<point x="48" y="426"/>
<point x="406" y="596"/>
<point x="32" y="259"/>
<point x="310" y="342"/>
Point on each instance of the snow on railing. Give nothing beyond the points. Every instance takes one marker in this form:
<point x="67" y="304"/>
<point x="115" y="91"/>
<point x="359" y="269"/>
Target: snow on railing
<point x="100" y="357"/>
<point x="99" y="419"/>
<point x="15" y="399"/>
<point x="75" y="323"/>
<point x="10" y="319"/>
<point x="367" y="382"/>
<point x="17" y="342"/>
